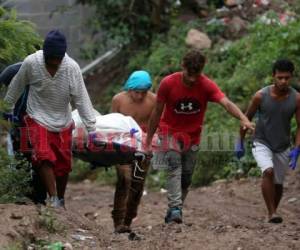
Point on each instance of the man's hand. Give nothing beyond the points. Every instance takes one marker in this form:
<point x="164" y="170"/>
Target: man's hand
<point x="10" y="117"/>
<point x="95" y="141"/>
<point x="246" y="124"/>
<point x="294" y="154"/>
<point x="147" y="146"/>
<point x="91" y="139"/>
<point x="239" y="148"/>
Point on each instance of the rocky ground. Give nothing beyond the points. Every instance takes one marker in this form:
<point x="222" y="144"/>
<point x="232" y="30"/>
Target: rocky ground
<point x="226" y="215"/>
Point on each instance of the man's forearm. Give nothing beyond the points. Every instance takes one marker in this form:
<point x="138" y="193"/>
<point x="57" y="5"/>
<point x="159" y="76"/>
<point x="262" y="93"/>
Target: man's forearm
<point x="16" y="88"/>
<point x="11" y="98"/>
<point x="242" y="133"/>
<point x="235" y="111"/>
<point x="152" y="126"/>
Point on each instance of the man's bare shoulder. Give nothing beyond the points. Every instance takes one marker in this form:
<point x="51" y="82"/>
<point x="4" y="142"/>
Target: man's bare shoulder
<point x="120" y="96"/>
<point x="258" y="95"/>
<point x="151" y="96"/>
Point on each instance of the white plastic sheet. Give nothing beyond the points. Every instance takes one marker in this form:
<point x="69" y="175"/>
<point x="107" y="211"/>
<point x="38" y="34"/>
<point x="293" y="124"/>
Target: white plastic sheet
<point x="113" y="127"/>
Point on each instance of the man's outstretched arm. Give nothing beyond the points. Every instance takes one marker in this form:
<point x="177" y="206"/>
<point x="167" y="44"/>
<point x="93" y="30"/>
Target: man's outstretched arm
<point x="234" y="110"/>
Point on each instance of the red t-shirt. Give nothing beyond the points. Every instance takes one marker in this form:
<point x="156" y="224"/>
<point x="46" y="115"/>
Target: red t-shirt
<point x="185" y="106"/>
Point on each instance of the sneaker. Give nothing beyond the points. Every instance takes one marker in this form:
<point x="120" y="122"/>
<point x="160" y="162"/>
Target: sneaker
<point x="61" y="203"/>
<point x="174" y="214"/>
<point x="55" y="202"/>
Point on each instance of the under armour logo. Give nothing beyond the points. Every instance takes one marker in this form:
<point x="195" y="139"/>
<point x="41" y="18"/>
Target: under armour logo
<point x="189" y="106"/>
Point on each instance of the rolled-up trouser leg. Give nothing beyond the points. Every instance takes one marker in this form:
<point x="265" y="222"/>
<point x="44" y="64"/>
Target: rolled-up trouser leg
<point x="189" y="159"/>
<point x="121" y="194"/>
<point x="174" y="172"/>
<point x="138" y="178"/>
<point x="39" y="189"/>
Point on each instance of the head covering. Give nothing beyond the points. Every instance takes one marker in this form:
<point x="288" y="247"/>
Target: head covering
<point x="55" y="44"/>
<point x="138" y="80"/>
<point x="8" y="73"/>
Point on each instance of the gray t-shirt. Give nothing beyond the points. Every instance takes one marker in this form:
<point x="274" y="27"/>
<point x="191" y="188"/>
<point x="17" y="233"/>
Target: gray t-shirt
<point x="274" y="120"/>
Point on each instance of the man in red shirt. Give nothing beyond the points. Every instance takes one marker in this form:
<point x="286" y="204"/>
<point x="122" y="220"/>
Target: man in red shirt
<point x="181" y="103"/>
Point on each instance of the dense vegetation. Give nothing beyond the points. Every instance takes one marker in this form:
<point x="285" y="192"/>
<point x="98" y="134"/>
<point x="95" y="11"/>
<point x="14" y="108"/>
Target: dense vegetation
<point x="240" y="68"/>
<point x="17" y="40"/>
<point x="134" y="22"/>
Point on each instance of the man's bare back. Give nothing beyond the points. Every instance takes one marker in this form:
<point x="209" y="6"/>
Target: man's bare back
<point x="137" y="104"/>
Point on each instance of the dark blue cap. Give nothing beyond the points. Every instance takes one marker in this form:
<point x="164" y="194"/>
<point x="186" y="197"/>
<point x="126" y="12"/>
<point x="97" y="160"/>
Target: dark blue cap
<point x="55" y="44"/>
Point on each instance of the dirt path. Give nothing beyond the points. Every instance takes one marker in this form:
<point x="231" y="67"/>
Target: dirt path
<point x="222" y="216"/>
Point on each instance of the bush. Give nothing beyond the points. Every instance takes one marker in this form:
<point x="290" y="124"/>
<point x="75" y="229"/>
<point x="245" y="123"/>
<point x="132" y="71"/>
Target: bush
<point x="156" y="180"/>
<point x="164" y="55"/>
<point x="80" y="171"/>
<point x="106" y="176"/>
<point x="17" y="40"/>
<point x="214" y="165"/>
<point x="14" y="179"/>
<point x="244" y="66"/>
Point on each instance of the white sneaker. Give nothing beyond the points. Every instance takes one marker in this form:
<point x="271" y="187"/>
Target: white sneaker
<point x="53" y="201"/>
<point x="61" y="203"/>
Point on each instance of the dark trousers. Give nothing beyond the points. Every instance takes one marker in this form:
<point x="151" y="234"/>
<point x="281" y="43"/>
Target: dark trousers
<point x="39" y="192"/>
<point x="129" y="190"/>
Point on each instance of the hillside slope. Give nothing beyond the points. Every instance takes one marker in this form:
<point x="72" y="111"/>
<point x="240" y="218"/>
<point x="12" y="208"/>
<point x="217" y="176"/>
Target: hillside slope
<point x="226" y="215"/>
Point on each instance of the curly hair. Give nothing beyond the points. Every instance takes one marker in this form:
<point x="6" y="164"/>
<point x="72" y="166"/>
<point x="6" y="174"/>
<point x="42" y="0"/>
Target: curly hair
<point x="193" y="61"/>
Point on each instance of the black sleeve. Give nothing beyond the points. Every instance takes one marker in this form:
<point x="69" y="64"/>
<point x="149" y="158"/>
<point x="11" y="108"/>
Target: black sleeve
<point x="8" y="73"/>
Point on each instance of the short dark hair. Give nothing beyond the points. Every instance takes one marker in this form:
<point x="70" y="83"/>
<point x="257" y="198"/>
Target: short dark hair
<point x="283" y="65"/>
<point x="193" y="61"/>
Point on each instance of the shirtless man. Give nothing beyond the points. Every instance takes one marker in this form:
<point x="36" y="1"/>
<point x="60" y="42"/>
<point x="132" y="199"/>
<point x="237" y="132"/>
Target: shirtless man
<point x="136" y="101"/>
